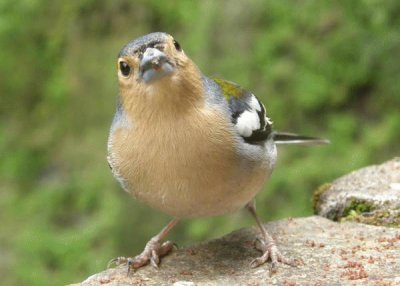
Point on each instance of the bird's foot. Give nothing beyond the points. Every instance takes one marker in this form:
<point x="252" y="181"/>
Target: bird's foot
<point x="152" y="253"/>
<point x="271" y="251"/>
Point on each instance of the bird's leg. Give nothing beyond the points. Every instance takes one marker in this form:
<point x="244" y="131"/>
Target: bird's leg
<point x="267" y="246"/>
<point x="152" y="252"/>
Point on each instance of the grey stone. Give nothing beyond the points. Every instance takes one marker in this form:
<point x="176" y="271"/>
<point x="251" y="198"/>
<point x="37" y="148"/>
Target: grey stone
<point x="369" y="195"/>
<point x="334" y="253"/>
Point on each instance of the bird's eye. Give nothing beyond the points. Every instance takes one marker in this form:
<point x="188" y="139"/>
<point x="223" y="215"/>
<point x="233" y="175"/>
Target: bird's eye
<point x="124" y="68"/>
<point x="177" y="46"/>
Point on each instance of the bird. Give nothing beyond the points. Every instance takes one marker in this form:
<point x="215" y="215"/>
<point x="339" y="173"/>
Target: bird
<point x="189" y="145"/>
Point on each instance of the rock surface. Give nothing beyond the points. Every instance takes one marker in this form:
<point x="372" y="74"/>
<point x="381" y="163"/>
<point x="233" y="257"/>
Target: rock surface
<point x="369" y="195"/>
<point x="334" y="253"/>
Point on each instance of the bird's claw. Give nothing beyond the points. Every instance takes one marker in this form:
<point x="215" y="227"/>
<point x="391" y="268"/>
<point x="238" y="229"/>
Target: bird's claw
<point x="117" y="261"/>
<point x="271" y="251"/>
<point x="151" y="253"/>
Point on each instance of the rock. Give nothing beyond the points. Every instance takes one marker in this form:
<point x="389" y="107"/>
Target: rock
<point x="334" y="253"/>
<point x="369" y="195"/>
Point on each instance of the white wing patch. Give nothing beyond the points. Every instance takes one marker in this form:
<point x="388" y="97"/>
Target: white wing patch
<point x="254" y="103"/>
<point x="247" y="122"/>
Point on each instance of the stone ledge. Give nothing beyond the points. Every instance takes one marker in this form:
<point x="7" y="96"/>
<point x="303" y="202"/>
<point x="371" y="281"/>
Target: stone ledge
<point x="334" y="254"/>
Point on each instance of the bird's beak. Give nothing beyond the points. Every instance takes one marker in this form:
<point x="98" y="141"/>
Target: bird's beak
<point x="154" y="65"/>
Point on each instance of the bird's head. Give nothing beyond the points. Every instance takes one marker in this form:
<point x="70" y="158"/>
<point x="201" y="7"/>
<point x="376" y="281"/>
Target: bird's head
<point x="154" y="69"/>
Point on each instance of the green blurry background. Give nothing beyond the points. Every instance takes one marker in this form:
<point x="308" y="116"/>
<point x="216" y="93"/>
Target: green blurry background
<point x="327" y="68"/>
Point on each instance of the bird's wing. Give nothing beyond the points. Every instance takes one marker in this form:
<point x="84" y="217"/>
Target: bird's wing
<point x="248" y="114"/>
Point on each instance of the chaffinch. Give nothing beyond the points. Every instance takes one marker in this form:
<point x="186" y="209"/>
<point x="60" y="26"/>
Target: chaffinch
<point x="189" y="145"/>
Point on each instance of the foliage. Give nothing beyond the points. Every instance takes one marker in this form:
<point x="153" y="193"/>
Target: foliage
<point x="321" y="67"/>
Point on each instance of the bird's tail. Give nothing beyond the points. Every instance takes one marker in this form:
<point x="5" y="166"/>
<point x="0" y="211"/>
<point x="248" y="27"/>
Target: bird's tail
<point x="291" y="138"/>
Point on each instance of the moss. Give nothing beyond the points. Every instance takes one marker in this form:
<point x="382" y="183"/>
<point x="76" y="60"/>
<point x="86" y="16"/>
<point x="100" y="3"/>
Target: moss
<point x="358" y="207"/>
<point x="317" y="195"/>
<point x="365" y="212"/>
